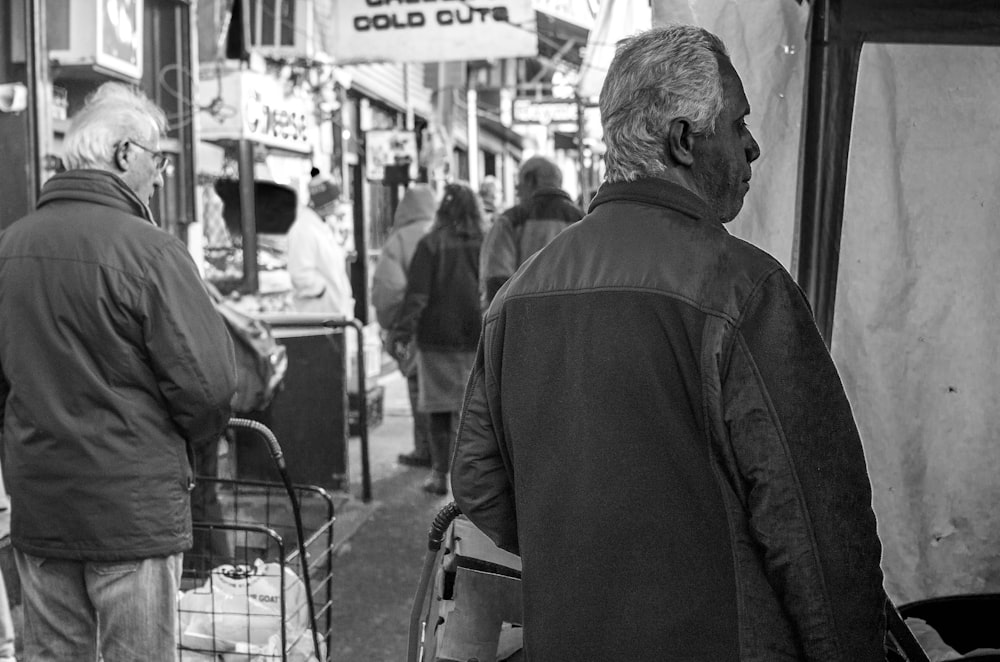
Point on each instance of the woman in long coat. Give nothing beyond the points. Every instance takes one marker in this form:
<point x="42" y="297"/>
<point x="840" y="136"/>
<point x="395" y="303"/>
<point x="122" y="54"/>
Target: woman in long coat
<point x="441" y="310"/>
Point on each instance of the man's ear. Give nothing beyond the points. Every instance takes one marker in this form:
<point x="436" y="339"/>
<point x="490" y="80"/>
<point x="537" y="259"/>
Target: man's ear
<point x="680" y="142"/>
<point x="122" y="158"/>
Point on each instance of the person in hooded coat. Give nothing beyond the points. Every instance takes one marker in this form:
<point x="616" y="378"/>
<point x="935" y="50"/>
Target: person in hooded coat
<point x="413" y="219"/>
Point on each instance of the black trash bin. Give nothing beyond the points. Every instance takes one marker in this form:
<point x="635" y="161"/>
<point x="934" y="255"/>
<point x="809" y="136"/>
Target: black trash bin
<point x="308" y="415"/>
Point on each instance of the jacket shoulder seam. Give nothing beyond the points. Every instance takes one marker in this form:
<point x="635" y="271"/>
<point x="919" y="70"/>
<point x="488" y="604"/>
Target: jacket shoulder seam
<point x="708" y="310"/>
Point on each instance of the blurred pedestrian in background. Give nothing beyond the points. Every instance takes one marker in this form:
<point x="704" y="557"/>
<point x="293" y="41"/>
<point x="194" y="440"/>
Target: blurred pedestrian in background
<point x="489" y="193"/>
<point x="413" y="219"/>
<point x="441" y="311"/>
<point x="317" y="262"/>
<point x="543" y="210"/>
<point x="654" y="422"/>
<point x="114" y="365"/>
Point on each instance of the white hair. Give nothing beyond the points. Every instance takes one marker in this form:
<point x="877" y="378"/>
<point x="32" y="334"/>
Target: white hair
<point x="112" y="113"/>
<point x="656" y="77"/>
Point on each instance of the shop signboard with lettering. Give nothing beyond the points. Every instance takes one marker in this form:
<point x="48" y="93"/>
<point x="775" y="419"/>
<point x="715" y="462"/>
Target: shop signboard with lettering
<point x="428" y="31"/>
<point x="527" y="111"/>
<point x="254" y="106"/>
<point x="389" y="147"/>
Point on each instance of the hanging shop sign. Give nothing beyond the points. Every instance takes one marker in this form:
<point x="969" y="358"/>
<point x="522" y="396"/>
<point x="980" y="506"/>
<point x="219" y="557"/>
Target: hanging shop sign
<point x="389" y="147"/>
<point x="429" y="31"/>
<point x="102" y="34"/>
<point x="254" y="106"/>
<point x="544" y="112"/>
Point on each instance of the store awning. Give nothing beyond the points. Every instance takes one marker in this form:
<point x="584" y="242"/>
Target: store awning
<point x="560" y="40"/>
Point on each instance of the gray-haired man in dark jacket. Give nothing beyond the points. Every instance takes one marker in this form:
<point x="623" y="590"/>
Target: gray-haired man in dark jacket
<point x="654" y="422"/>
<point x="113" y="366"/>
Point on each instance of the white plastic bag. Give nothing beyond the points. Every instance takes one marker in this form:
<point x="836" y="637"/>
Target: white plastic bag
<point x="237" y="612"/>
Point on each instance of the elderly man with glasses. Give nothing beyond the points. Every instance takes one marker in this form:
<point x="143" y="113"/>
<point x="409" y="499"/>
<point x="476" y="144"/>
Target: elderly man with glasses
<point x="114" y="368"/>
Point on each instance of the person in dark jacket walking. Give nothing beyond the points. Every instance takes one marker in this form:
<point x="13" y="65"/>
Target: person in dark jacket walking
<point x="114" y="365"/>
<point x="441" y="310"/>
<point x="654" y="422"/>
<point x="543" y="210"/>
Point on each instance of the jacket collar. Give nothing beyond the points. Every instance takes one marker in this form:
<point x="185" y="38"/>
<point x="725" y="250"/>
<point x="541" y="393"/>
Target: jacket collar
<point x="550" y="191"/>
<point x="97" y="186"/>
<point x="658" y="192"/>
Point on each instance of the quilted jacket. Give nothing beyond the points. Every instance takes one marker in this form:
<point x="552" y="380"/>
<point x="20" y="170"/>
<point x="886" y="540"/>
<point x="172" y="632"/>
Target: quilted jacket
<point x="113" y="363"/>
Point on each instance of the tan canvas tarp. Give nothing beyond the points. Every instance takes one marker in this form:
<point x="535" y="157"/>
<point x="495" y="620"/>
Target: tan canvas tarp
<point x="917" y="310"/>
<point x="917" y="304"/>
<point x="766" y="40"/>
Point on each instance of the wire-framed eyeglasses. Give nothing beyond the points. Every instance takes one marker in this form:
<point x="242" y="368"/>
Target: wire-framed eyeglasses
<point x="160" y="159"/>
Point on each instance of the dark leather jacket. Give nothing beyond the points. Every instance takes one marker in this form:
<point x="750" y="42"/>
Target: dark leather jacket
<point x="654" y="423"/>
<point x="112" y="362"/>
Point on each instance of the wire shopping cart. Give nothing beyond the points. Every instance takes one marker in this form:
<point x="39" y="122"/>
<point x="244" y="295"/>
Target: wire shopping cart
<point x="260" y="588"/>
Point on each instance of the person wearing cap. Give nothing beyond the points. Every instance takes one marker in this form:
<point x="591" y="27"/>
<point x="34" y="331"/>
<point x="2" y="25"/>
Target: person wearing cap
<point x="317" y="263"/>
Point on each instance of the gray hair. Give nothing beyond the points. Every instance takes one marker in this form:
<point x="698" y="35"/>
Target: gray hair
<point x="539" y="171"/>
<point x="656" y="77"/>
<point x="112" y="113"/>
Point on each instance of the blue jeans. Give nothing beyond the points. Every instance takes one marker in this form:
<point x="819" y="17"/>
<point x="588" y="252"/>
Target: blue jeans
<point x="125" y="611"/>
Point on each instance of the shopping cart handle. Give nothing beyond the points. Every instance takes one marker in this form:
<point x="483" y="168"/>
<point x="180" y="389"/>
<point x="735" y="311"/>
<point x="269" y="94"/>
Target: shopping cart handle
<point x="272" y="442"/>
<point x="440" y="524"/>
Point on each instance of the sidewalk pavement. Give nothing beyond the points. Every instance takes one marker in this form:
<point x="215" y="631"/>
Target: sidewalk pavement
<point x="380" y="546"/>
<point x="394" y="435"/>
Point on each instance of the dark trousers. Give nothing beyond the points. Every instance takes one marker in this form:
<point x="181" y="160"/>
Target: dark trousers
<point x="211" y="548"/>
<point x="443" y="426"/>
<point x="421" y="420"/>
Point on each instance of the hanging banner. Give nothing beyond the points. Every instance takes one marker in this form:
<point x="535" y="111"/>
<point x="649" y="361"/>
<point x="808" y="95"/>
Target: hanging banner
<point x="355" y="31"/>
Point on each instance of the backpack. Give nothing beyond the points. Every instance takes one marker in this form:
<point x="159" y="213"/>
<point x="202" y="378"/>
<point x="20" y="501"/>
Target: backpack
<point x="261" y="361"/>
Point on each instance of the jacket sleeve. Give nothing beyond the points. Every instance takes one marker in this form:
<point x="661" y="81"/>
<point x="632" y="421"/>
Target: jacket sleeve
<point x="480" y="479"/>
<point x="189" y="347"/>
<point x="303" y="261"/>
<point x="803" y="476"/>
<point x="418" y="290"/>
<point x="4" y="390"/>
<point x="389" y="283"/>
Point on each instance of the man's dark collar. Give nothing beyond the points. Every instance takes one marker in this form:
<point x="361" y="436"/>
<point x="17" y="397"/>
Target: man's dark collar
<point x="651" y="191"/>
